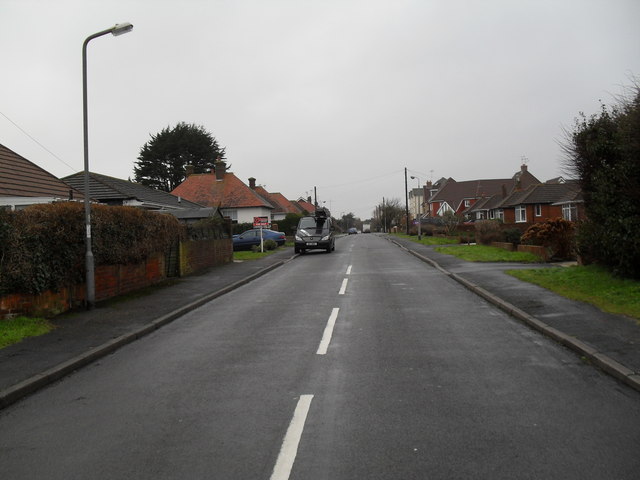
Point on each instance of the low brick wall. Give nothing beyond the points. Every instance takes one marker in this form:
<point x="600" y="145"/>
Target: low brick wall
<point x="114" y="280"/>
<point x="504" y="245"/>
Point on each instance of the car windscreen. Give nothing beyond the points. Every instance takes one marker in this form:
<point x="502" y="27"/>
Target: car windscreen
<point x="311" y="226"/>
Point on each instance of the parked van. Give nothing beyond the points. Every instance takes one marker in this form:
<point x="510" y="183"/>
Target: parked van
<point x="315" y="232"/>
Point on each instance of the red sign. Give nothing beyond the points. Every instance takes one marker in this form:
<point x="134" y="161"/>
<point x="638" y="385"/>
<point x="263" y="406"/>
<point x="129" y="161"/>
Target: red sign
<point x="260" y="222"/>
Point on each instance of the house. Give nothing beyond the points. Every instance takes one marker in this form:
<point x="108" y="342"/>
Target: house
<point x="305" y="206"/>
<point x="23" y="183"/>
<point x="541" y="202"/>
<point x="416" y="202"/>
<point x="114" y="191"/>
<point x="460" y="197"/>
<point x="224" y="190"/>
<point x="281" y="206"/>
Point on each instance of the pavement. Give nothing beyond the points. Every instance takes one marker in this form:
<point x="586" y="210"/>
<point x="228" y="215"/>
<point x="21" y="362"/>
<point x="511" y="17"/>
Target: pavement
<point x="610" y="342"/>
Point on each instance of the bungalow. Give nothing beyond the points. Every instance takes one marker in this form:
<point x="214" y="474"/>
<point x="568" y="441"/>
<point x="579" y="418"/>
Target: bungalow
<point x="114" y="191"/>
<point x="23" y="183"/>
<point x="224" y="190"/>
<point x="541" y="202"/>
<point x="281" y="206"/>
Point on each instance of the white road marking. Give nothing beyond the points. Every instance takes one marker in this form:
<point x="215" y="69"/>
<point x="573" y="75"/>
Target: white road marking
<point x="328" y="332"/>
<point x="289" y="448"/>
<point x="343" y="288"/>
<point x="349" y="270"/>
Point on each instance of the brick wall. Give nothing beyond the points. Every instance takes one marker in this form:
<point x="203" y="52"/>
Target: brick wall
<point x="114" y="280"/>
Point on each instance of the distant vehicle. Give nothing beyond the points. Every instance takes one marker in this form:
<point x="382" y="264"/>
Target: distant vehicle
<point x="366" y="228"/>
<point x="247" y="239"/>
<point x="315" y="232"/>
<point x="352" y="231"/>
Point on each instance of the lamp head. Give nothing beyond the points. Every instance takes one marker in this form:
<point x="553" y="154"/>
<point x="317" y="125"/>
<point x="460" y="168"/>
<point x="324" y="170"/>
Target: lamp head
<point x="121" y="28"/>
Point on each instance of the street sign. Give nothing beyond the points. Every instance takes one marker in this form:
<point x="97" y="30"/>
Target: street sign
<point x="261" y="222"/>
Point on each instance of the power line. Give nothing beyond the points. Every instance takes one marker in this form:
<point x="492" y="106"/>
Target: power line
<point x="36" y="141"/>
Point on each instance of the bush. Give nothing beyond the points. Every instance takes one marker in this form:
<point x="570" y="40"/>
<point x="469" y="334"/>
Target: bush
<point x="556" y="235"/>
<point x="512" y="235"/>
<point x="488" y="231"/>
<point x="270" y="244"/>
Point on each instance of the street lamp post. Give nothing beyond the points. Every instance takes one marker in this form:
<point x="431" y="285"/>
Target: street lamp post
<point x="116" y="30"/>
<point x="419" y="212"/>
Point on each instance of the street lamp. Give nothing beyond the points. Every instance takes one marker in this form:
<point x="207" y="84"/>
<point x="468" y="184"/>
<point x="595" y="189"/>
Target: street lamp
<point x="116" y="30"/>
<point x="419" y="212"/>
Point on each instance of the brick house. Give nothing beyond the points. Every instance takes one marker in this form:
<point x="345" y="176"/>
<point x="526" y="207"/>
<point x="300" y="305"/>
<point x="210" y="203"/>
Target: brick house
<point x="461" y="197"/>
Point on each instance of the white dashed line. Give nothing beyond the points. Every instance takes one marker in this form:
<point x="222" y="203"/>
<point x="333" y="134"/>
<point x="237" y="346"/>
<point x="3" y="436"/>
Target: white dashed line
<point x="343" y="288"/>
<point x="349" y="270"/>
<point x="328" y="332"/>
<point x="289" y="448"/>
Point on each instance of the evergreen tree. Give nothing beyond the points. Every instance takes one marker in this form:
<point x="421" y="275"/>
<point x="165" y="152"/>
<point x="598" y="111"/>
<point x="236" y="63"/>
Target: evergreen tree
<point x="604" y="151"/>
<point x="162" y="160"/>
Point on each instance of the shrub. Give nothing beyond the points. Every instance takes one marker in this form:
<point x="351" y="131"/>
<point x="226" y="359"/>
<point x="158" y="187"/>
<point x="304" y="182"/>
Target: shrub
<point x="270" y="244"/>
<point x="556" y="235"/>
<point x="488" y="231"/>
<point x="512" y="235"/>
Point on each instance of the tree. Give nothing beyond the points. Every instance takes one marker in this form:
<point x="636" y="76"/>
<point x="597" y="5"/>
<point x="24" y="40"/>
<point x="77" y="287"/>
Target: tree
<point x="388" y="214"/>
<point x="604" y="152"/>
<point x="163" y="159"/>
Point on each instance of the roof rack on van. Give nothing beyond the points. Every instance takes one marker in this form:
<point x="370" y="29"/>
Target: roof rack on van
<point x="322" y="212"/>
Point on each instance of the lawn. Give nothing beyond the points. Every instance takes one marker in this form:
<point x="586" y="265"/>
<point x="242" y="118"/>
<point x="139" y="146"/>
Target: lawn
<point x="16" y="329"/>
<point x="589" y="284"/>
<point x="428" y="240"/>
<point x="482" y="253"/>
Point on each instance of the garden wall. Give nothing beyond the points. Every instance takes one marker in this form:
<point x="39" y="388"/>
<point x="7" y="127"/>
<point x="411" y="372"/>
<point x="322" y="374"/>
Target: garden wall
<point x="114" y="280"/>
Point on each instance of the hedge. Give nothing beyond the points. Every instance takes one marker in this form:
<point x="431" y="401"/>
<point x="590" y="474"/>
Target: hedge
<point x="42" y="247"/>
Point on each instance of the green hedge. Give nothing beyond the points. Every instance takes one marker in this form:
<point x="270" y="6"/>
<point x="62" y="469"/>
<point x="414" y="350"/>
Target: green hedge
<point x="42" y="247"/>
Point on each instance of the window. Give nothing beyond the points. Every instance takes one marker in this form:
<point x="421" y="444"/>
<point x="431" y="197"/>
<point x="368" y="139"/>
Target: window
<point x="521" y="214"/>
<point x="500" y="214"/>
<point x="467" y="203"/>
<point x="231" y="213"/>
<point x="538" y="210"/>
<point x="492" y="214"/>
<point x="569" y="212"/>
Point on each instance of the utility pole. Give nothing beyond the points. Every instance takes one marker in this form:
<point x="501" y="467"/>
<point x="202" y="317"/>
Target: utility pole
<point x="406" y="198"/>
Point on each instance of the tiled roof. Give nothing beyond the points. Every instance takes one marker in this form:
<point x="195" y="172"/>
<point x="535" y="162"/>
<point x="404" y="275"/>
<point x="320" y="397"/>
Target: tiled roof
<point x="230" y="192"/>
<point x="309" y="207"/>
<point x="279" y="201"/>
<point x="21" y="178"/>
<point x="454" y="192"/>
<point x="542" y="193"/>
<point x="109" y="189"/>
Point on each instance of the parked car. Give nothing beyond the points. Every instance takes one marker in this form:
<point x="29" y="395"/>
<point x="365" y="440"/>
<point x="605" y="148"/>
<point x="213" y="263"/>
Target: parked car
<point x="352" y="231"/>
<point x="247" y="239"/>
<point x="315" y="233"/>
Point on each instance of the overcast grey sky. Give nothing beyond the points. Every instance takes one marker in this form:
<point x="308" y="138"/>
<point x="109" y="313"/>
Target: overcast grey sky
<point x="341" y="95"/>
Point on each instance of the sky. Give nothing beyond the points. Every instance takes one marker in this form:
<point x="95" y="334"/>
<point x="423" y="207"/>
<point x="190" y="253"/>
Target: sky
<point x="336" y="95"/>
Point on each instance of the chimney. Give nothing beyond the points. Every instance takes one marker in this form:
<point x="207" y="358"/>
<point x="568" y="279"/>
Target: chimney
<point x="523" y="167"/>
<point x="221" y="168"/>
<point x="504" y="191"/>
<point x="189" y="170"/>
<point x="252" y="183"/>
<point x="309" y="199"/>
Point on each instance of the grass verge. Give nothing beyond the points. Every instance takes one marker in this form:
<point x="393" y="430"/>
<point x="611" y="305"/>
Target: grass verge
<point x="16" y="329"/>
<point x="483" y="253"/>
<point x="426" y="240"/>
<point x="591" y="284"/>
<point x="244" y="255"/>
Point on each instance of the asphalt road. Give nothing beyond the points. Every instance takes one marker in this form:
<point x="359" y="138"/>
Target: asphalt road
<point x="359" y="364"/>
